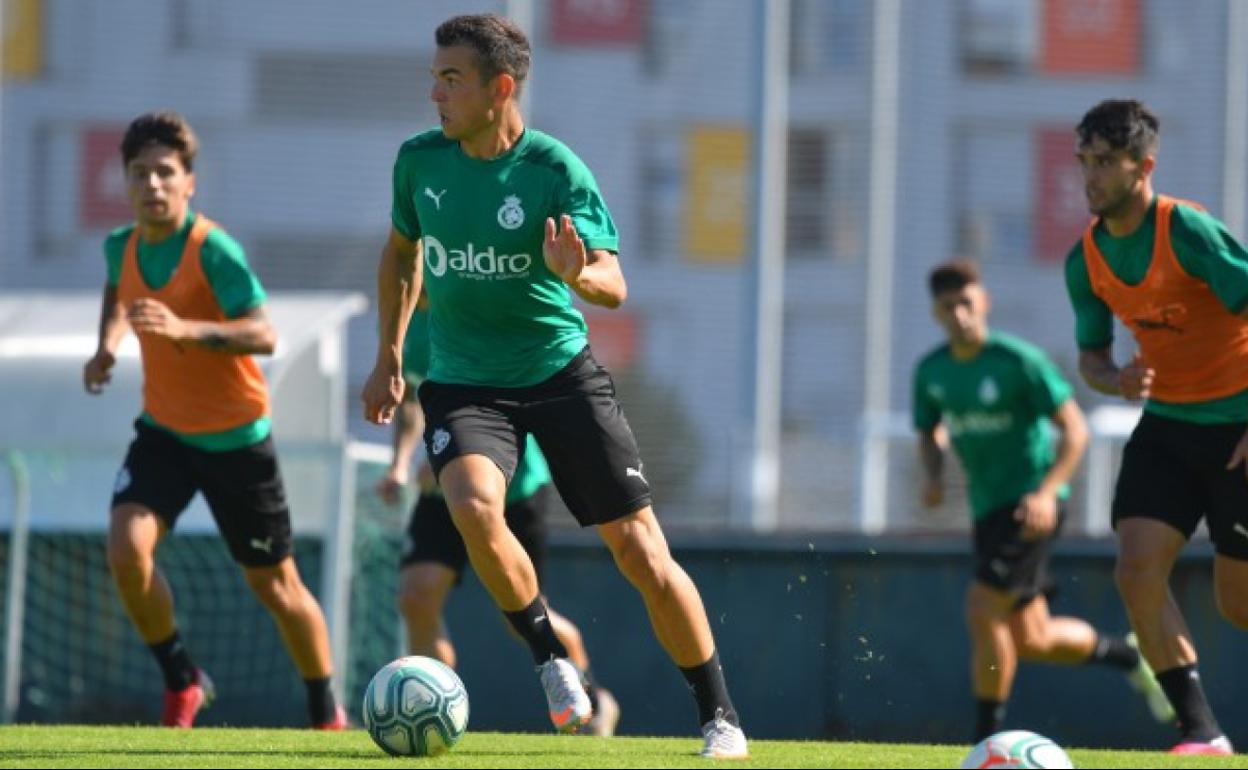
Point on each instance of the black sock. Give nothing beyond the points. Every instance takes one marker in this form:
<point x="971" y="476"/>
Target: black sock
<point x="591" y="688"/>
<point x="322" y="707"/>
<point x="533" y="625"/>
<point x="1115" y="652"/>
<point x="175" y="663"/>
<point x="989" y="718"/>
<point x="710" y="691"/>
<point x="1196" y="720"/>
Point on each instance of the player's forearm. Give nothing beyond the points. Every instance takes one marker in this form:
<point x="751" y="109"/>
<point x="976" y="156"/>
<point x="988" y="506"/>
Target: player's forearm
<point x="398" y="287"/>
<point x="251" y="335"/>
<point x="113" y="324"/>
<point x="408" y="424"/>
<point x="1099" y="372"/>
<point x="601" y="283"/>
<point x="1069" y="452"/>
<point x="931" y="458"/>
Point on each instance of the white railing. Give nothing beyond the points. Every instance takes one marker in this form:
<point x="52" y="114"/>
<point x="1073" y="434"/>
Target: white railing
<point x="15" y="601"/>
<point x="1109" y="427"/>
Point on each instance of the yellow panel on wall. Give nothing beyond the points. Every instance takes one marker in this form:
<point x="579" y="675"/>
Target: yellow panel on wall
<point x="715" y="198"/>
<point x="23" y="39"/>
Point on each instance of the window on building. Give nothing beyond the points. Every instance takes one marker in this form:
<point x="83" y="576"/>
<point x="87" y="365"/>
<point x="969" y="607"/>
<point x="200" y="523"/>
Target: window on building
<point x="993" y="192"/>
<point x="997" y="36"/>
<point x="828" y="37"/>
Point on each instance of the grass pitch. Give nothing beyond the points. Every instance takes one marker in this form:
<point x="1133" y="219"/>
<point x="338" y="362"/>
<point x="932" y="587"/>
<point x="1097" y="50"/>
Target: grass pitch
<point x="77" y="746"/>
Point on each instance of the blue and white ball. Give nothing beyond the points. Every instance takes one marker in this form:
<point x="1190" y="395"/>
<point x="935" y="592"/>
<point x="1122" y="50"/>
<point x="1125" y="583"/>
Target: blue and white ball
<point x="416" y="707"/>
<point x="1016" y="748"/>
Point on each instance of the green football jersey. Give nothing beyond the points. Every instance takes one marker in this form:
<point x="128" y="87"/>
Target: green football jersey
<point x="416" y="349"/>
<point x="532" y="472"/>
<point x="497" y="316"/>
<point x="996" y="407"/>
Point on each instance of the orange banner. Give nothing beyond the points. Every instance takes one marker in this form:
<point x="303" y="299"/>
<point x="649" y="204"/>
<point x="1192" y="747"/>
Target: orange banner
<point x="1090" y="36"/>
<point x="596" y="22"/>
<point x="615" y="335"/>
<point x="1061" y="210"/>
<point x="102" y="183"/>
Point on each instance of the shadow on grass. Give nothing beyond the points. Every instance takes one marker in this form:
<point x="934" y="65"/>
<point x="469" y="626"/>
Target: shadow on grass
<point x="366" y="754"/>
<point x="66" y="754"/>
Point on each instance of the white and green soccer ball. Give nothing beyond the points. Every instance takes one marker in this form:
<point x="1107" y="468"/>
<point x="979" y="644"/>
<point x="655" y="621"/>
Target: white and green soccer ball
<point x="1016" y="748"/>
<point x="416" y="707"/>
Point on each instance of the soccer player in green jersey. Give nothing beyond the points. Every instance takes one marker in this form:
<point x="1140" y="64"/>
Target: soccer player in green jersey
<point x="1178" y="280"/>
<point x="503" y="224"/>
<point x="995" y="397"/>
<point x="434" y="560"/>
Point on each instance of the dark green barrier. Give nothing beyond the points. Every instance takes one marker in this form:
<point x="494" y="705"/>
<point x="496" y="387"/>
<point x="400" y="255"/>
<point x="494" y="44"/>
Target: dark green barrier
<point x="847" y="638"/>
<point x="828" y="638"/>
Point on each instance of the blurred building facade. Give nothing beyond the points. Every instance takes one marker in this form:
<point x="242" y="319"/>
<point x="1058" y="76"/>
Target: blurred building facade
<point x="302" y="104"/>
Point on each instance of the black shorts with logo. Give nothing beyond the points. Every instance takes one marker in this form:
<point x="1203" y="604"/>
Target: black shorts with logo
<point x="577" y="421"/>
<point x="432" y="536"/>
<point x="1175" y="471"/>
<point x="243" y="489"/>
<point x="1007" y="562"/>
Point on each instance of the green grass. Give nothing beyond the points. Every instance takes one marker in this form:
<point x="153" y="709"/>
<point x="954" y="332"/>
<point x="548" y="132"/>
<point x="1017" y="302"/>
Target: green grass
<point x="74" y="746"/>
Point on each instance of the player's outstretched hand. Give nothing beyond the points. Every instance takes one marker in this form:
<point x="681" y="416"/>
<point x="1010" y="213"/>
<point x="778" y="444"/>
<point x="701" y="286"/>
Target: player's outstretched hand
<point x="382" y="394"/>
<point x="1037" y="513"/>
<point x="564" y="250"/>
<point x="1135" y="380"/>
<point x="1240" y="455"/>
<point x="390" y="486"/>
<point x="98" y="372"/>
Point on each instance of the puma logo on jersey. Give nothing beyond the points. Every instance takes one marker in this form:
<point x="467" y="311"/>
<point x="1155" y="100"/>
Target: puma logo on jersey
<point x="265" y="545"/>
<point x="636" y="472"/>
<point x="436" y="198"/>
<point x="1241" y="529"/>
<point x="1168" y="318"/>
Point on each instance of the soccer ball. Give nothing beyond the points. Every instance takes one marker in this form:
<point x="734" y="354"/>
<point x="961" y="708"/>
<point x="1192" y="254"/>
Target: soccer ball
<point x="1016" y="748"/>
<point x="416" y="707"/>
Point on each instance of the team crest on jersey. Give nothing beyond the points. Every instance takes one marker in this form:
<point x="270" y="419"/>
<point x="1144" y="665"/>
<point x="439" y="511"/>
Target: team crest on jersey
<point x="510" y="215"/>
<point x="989" y="392"/>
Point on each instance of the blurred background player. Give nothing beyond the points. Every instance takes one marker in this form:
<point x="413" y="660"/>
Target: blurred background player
<point x="475" y="203"/>
<point x="435" y="558"/>
<point x="184" y="287"/>
<point x="993" y="395"/>
<point x="1178" y="280"/>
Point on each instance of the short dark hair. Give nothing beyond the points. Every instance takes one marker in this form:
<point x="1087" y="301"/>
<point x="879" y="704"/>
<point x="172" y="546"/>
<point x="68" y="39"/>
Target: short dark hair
<point x="500" y="44"/>
<point x="165" y="128"/>
<point x="1125" y="124"/>
<point x="953" y="276"/>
